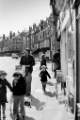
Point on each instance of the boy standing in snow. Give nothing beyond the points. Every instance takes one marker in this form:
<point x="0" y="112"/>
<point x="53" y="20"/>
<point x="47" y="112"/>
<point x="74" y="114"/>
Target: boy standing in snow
<point x="19" y="91"/>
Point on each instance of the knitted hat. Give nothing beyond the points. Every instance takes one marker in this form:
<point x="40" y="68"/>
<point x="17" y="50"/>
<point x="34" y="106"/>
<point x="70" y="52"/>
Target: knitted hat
<point x="43" y="67"/>
<point x="16" y="74"/>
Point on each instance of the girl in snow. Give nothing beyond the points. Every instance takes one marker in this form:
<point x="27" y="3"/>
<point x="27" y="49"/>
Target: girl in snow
<point x="3" y="92"/>
<point x="43" y="74"/>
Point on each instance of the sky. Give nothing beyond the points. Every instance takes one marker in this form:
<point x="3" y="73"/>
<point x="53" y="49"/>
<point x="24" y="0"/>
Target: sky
<point x="17" y="15"/>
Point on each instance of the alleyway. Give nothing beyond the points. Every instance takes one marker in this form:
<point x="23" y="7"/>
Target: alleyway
<point x="44" y="107"/>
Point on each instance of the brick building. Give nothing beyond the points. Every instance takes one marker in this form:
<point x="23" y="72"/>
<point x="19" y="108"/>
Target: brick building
<point x="39" y="38"/>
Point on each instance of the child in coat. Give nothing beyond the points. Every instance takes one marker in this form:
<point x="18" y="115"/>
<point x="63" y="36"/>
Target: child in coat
<point x="43" y="74"/>
<point x="19" y="91"/>
<point x="3" y="92"/>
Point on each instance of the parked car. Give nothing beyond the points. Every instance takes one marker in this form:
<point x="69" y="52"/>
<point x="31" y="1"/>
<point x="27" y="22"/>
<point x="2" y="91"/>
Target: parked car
<point x="15" y="56"/>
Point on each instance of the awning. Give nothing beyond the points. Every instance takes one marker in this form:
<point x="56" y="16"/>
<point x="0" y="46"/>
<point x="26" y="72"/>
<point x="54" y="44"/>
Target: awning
<point x="44" y="48"/>
<point x="36" y="51"/>
<point x="40" y="50"/>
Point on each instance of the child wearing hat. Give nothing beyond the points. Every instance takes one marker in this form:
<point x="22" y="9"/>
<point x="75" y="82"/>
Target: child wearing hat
<point x="19" y="90"/>
<point x="43" y="75"/>
<point x="3" y="92"/>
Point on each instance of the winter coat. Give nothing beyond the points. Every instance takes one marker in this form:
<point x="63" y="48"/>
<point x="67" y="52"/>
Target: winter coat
<point x="43" y="75"/>
<point x="43" y="62"/>
<point x="3" y="90"/>
<point x="28" y="60"/>
<point x="19" y="86"/>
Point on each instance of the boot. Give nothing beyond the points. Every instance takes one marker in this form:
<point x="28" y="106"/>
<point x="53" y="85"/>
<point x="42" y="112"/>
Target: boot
<point x="4" y="116"/>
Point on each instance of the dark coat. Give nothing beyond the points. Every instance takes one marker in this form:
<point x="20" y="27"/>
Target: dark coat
<point x="19" y="86"/>
<point x="3" y="90"/>
<point x="43" y="62"/>
<point x="43" y="75"/>
<point x="28" y="60"/>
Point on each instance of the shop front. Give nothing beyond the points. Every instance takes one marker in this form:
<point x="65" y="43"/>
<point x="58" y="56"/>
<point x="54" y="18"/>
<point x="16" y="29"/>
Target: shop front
<point x="68" y="55"/>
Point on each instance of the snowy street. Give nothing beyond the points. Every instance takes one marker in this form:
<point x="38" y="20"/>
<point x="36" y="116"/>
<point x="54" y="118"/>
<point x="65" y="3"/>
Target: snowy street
<point x="44" y="107"/>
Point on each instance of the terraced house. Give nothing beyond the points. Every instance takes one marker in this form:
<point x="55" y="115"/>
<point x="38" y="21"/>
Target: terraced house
<point x="39" y="38"/>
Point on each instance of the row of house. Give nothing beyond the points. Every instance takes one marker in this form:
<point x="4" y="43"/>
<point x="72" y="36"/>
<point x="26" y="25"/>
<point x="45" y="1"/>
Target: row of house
<point x="39" y="38"/>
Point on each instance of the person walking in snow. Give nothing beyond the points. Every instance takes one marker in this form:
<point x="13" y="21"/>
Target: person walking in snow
<point x="28" y="61"/>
